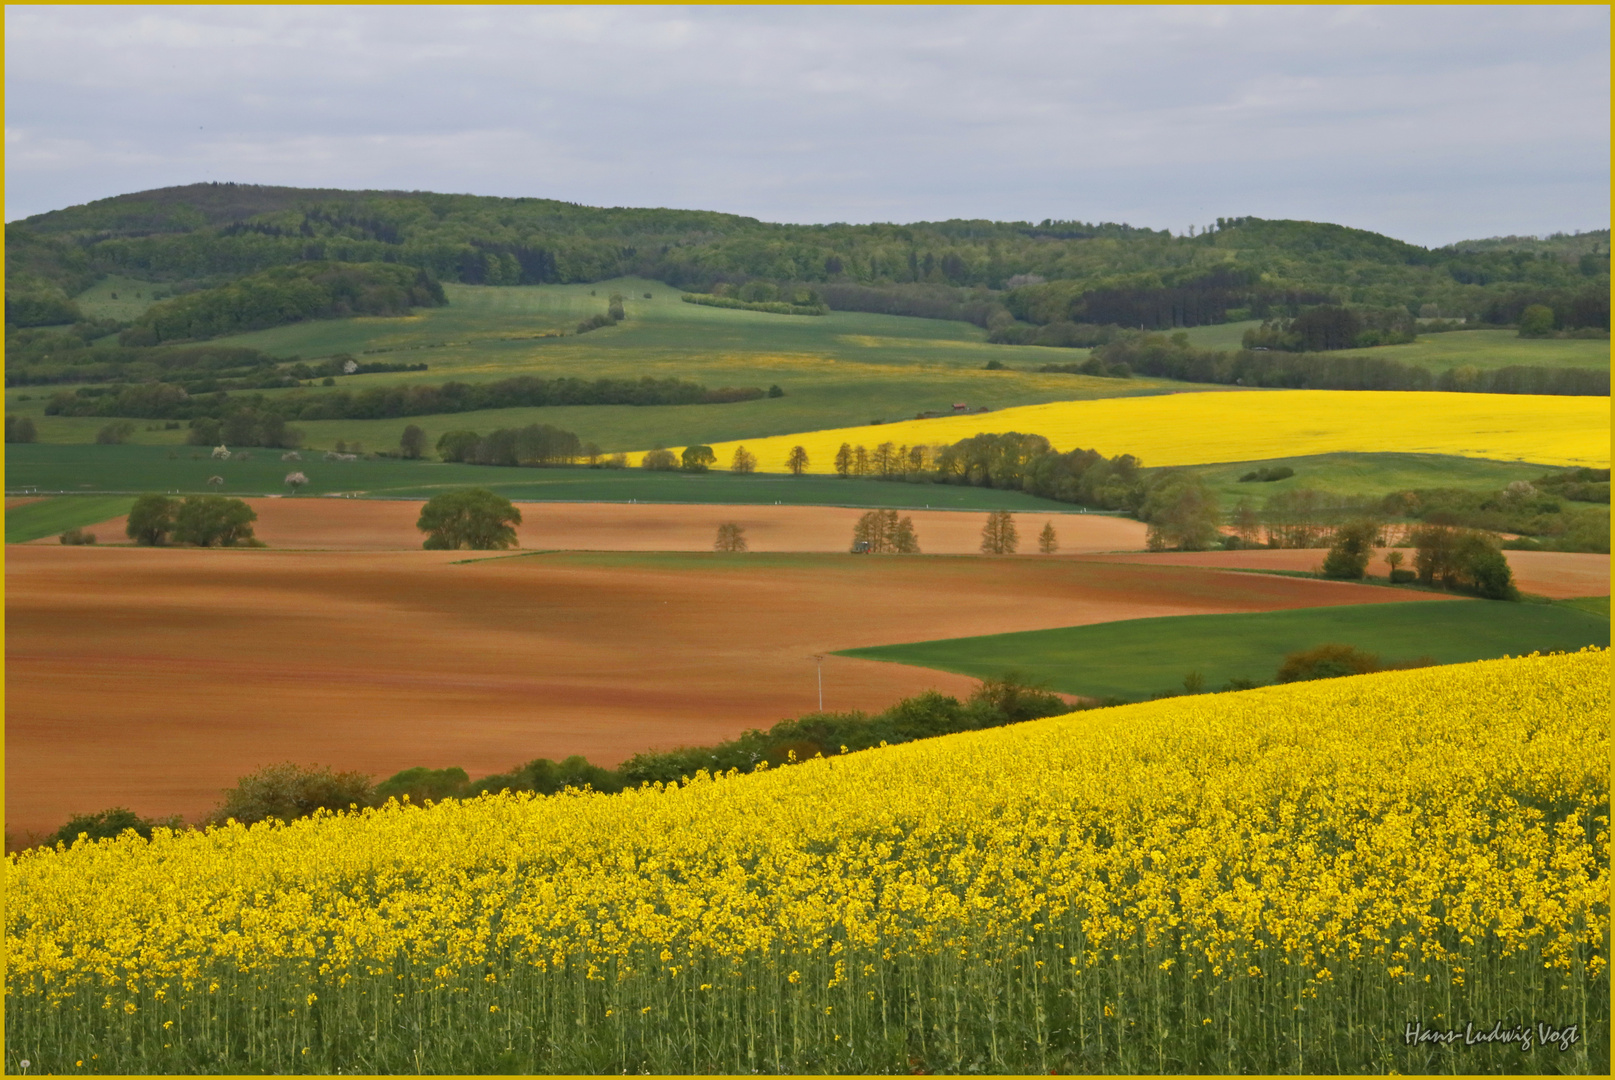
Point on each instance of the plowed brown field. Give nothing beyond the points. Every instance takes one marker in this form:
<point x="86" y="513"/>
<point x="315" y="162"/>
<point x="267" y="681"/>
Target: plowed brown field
<point x="152" y="678"/>
<point x="1557" y="574"/>
<point x="377" y="525"/>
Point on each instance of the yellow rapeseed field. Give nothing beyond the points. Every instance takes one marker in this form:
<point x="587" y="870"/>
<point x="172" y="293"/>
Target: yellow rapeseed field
<point x="1273" y="880"/>
<point x="1223" y="426"/>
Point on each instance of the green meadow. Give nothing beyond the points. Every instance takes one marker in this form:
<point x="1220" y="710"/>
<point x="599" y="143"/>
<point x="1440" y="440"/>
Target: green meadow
<point x="49" y="517"/>
<point x="95" y="470"/>
<point x="837" y="370"/>
<point x="1365" y="474"/>
<point x="1139" y="657"/>
<point x="1483" y="349"/>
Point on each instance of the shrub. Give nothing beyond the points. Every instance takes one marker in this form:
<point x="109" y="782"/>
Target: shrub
<point x="20" y="429"/>
<point x="108" y="824"/>
<point x="76" y="536"/>
<point x="548" y="777"/>
<point x="659" y="461"/>
<point x="421" y="784"/>
<point x="457" y="445"/>
<point x="1349" y="554"/>
<point x="412" y="443"/>
<point x="1326" y="662"/>
<point x="288" y="791"/>
<point x="115" y="433"/>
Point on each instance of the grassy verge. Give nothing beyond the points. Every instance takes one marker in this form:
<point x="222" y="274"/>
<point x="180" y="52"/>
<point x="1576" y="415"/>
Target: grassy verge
<point x="52" y="516"/>
<point x="1593" y="605"/>
<point x="1138" y="657"/>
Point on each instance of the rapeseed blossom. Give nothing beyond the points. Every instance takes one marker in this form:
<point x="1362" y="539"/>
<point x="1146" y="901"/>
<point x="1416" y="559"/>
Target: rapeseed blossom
<point x="1214" y="426"/>
<point x="1286" y="870"/>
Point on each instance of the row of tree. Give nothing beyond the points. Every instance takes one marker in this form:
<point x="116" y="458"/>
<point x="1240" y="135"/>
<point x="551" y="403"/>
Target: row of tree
<point x="286" y="294"/>
<point x="1164" y="357"/>
<point x="166" y="401"/>
<point x="203" y="520"/>
<point x="1048" y="271"/>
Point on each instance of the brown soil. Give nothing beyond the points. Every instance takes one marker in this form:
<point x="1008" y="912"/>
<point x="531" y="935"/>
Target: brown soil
<point x="377" y="525"/>
<point x="1557" y="574"/>
<point x="154" y="678"/>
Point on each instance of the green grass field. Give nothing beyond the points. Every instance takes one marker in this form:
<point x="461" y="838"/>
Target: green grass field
<point x="1593" y="605"/>
<point x="1138" y="657"/>
<point x="50" y="517"/>
<point x="1366" y="474"/>
<point x="118" y="297"/>
<point x="135" y="469"/>
<point x="1484" y="349"/>
<point x="837" y="370"/>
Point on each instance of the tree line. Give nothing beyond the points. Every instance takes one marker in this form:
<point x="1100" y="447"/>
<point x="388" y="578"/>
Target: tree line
<point x="286" y="294"/>
<point x="1229" y="269"/>
<point x="1160" y="356"/>
<point x="166" y="401"/>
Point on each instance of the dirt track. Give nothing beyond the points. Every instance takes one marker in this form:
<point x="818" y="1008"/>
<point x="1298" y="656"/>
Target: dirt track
<point x="377" y="525"/>
<point x="1558" y="574"/>
<point x="153" y="678"/>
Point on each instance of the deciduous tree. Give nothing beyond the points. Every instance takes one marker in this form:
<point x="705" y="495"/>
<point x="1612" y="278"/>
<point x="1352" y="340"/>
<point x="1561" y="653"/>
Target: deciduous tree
<point x="206" y="520"/>
<point x="472" y="518"/>
<point x="1047" y="542"/>
<point x="698" y="458"/>
<point x="797" y="461"/>
<point x="412" y="443"/>
<point x="731" y="537"/>
<point x="150" y="520"/>
<point x="745" y="462"/>
<point x="999" y="536"/>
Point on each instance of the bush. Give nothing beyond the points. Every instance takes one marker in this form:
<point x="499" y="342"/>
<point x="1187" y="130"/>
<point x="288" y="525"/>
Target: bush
<point x="412" y="443"/>
<point x="20" y="429"/>
<point x="288" y="791"/>
<point x="206" y="520"/>
<point x="76" y="536"/>
<point x="115" y="433"/>
<point x="457" y="445"/>
<point x="421" y="784"/>
<point x="659" y="461"/>
<point x="150" y="521"/>
<point x="1326" y="662"/>
<point x="1402" y="577"/>
<point x="698" y="458"/>
<point x="472" y="518"/>
<point x="1349" y="554"/>
<point x="548" y="777"/>
<point x="108" y="824"/>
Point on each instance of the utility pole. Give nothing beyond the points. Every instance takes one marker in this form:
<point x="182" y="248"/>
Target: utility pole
<point x="819" y="659"/>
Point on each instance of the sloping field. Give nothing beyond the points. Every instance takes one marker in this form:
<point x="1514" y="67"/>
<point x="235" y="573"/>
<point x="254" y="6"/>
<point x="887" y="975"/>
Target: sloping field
<point x="374" y="525"/>
<point x="1222" y="426"/>
<point x="1140" y="657"/>
<point x="1035" y="899"/>
<point x="154" y="678"/>
<point x="1557" y="574"/>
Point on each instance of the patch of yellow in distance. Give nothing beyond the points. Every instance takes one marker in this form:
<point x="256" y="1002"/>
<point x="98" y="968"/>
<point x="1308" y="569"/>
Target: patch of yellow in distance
<point x="1220" y="426"/>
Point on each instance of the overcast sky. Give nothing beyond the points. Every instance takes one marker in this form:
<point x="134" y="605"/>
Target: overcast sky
<point x="1430" y="124"/>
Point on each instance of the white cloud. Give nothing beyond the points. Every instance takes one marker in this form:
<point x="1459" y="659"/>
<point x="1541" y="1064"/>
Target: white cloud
<point x="1426" y="123"/>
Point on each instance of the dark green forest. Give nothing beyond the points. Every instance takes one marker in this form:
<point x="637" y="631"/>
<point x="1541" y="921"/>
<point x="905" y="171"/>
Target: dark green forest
<point x="1002" y="275"/>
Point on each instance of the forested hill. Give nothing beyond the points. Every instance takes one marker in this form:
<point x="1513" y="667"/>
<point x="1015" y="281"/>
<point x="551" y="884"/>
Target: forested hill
<point x="1052" y="272"/>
